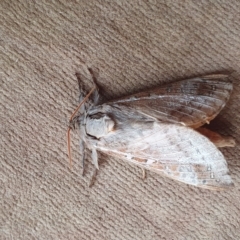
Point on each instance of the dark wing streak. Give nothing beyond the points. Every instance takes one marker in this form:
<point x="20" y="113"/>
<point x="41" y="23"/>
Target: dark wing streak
<point x="193" y="97"/>
<point x="196" y="96"/>
<point x="164" y="96"/>
<point x="214" y="110"/>
<point x="220" y="106"/>
<point x="186" y="106"/>
<point x="195" y="109"/>
<point x="151" y="117"/>
<point x="223" y="87"/>
<point x="202" y="103"/>
<point x="173" y="109"/>
<point x="170" y="109"/>
<point x="175" y="119"/>
<point x="213" y="98"/>
<point x="163" y="113"/>
<point x="190" y="91"/>
<point x="205" y="83"/>
<point x="210" y="80"/>
<point x="200" y="86"/>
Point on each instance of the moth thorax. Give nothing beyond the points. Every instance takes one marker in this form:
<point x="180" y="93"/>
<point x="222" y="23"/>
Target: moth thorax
<point x="99" y="126"/>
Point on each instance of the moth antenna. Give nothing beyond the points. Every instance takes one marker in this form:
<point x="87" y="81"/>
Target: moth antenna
<point x="69" y="128"/>
<point x="69" y="147"/>
<point x="83" y="101"/>
<point x="93" y="178"/>
<point x="143" y="173"/>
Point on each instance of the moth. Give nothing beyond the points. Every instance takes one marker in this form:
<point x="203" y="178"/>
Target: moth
<point x="161" y="130"/>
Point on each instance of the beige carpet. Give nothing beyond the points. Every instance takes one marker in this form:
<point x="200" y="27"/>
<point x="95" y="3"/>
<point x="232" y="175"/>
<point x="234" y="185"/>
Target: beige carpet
<point x="132" y="45"/>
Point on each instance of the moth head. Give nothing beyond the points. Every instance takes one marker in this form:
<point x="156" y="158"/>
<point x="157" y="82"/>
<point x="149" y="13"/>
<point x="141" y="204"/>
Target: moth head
<point x="99" y="125"/>
<point x="73" y="121"/>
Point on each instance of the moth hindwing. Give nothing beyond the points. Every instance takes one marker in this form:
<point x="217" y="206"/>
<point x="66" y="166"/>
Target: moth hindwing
<point x="161" y="130"/>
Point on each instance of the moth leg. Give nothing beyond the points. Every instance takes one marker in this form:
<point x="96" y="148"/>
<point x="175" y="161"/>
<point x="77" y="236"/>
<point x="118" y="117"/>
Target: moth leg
<point x="81" y="86"/>
<point x="143" y="173"/>
<point x="83" y="159"/>
<point x="95" y="162"/>
<point x="95" y="158"/>
<point x="82" y="151"/>
<point x="84" y="89"/>
<point x="93" y="179"/>
<point x="98" y="95"/>
<point x="217" y="139"/>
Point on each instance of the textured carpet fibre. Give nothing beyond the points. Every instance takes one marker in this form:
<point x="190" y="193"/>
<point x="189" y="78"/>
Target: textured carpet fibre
<point x="132" y="45"/>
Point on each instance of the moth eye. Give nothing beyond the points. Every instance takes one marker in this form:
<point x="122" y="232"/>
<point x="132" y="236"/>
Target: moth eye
<point x="204" y="181"/>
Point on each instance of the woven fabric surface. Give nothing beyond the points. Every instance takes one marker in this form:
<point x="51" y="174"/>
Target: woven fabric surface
<point x="132" y="45"/>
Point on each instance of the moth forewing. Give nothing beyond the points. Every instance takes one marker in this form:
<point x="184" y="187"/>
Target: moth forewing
<point x="178" y="152"/>
<point x="193" y="102"/>
<point x="155" y="130"/>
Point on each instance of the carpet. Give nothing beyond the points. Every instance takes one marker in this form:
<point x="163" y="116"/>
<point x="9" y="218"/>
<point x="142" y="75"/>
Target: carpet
<point x="132" y="45"/>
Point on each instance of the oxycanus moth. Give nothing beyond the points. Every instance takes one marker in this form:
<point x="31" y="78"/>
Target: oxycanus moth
<point x="161" y="129"/>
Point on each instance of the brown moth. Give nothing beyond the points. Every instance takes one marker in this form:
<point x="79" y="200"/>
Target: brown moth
<point x="161" y="130"/>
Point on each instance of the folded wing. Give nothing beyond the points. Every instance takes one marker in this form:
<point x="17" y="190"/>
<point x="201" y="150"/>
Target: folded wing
<point x="176" y="151"/>
<point x="191" y="102"/>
